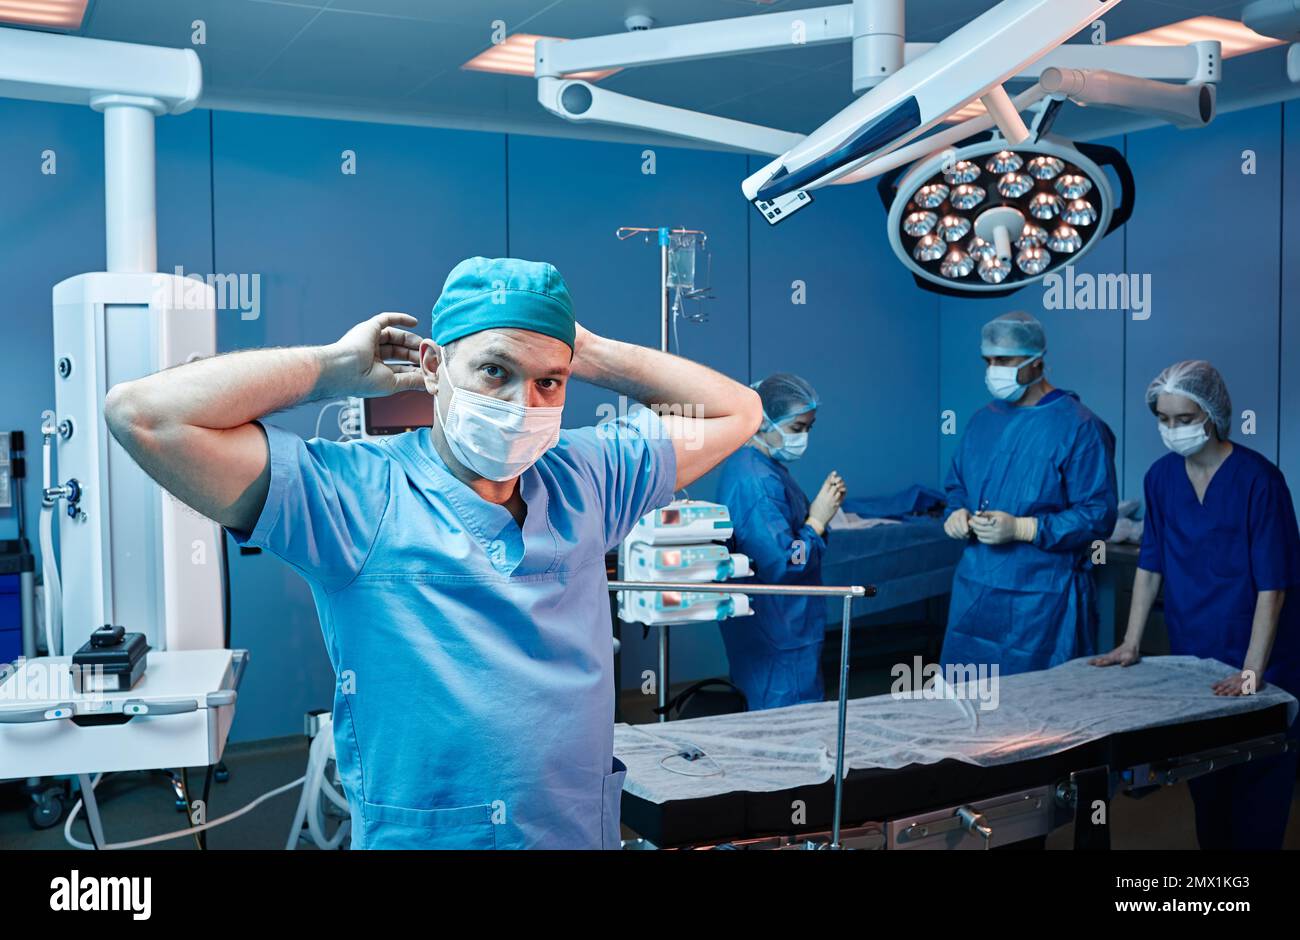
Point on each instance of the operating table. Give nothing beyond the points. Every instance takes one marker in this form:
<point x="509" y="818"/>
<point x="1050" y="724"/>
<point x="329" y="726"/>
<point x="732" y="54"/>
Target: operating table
<point x="973" y="765"/>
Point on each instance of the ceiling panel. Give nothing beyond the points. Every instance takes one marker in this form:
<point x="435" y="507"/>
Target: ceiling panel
<point x="400" y="59"/>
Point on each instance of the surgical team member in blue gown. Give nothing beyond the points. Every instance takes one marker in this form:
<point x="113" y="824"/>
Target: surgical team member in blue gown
<point x="1220" y="535"/>
<point x="1032" y="487"/>
<point x="458" y="570"/>
<point x="775" y="655"/>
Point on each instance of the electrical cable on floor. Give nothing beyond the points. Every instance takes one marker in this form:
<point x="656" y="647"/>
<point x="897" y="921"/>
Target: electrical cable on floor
<point x="165" y="837"/>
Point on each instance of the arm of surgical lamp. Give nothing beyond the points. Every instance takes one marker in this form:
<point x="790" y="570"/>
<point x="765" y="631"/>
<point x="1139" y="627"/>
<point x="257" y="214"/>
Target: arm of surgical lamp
<point x="580" y="101"/>
<point x="77" y="70"/>
<point x="1183" y="105"/>
<point x="973" y="62"/>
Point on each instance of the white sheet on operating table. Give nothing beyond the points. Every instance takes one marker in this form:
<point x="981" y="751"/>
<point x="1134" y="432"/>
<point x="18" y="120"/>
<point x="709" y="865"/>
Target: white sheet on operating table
<point x="1037" y="714"/>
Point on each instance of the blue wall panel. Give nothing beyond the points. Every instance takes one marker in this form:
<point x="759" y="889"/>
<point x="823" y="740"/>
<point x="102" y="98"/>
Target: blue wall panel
<point x="52" y="228"/>
<point x="1289" y="332"/>
<point x="1208" y="235"/>
<point x="865" y="337"/>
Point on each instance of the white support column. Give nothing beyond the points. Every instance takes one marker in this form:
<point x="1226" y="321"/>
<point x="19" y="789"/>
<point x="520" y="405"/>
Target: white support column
<point x="129" y="182"/>
<point x="878" y="41"/>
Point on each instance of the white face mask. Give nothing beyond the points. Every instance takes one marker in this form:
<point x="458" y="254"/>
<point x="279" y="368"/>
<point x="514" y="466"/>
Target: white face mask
<point x="793" y="445"/>
<point x="1002" y="381"/>
<point x="1186" y="440"/>
<point x="497" y="439"/>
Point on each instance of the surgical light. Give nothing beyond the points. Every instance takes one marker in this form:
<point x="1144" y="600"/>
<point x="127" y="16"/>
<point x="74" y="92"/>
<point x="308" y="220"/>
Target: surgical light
<point x="1032" y="236"/>
<point x="920" y="223"/>
<point x="957" y="263"/>
<point x="929" y="248"/>
<point x="1015" y="185"/>
<point x="967" y="196"/>
<point x="963" y="171"/>
<point x="954" y="227"/>
<point x="1065" y="240"/>
<point x="1045" y="206"/>
<point x="1037" y="207"/>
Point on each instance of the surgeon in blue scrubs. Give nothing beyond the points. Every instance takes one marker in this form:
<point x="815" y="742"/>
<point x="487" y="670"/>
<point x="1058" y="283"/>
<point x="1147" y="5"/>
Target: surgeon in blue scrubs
<point x="1031" y="489"/>
<point x="458" y="571"/>
<point x="1220" y="536"/>
<point x="775" y="655"/>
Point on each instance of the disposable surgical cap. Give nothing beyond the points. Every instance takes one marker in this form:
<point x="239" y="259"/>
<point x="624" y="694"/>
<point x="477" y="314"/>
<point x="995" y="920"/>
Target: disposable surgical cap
<point x="785" y="396"/>
<point x="1013" y="334"/>
<point x="1198" y="380"/>
<point x="499" y="293"/>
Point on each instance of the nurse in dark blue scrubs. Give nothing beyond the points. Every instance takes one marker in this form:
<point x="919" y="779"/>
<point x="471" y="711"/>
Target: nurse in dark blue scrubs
<point x="1221" y="536"/>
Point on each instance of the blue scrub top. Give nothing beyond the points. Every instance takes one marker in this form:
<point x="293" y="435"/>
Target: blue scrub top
<point x="1217" y="556"/>
<point x="473" y="660"/>
<point x="1031" y="605"/>
<point x="775" y="655"/>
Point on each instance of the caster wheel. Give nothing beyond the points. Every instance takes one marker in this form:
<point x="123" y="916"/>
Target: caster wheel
<point x="221" y="774"/>
<point x="46" y="810"/>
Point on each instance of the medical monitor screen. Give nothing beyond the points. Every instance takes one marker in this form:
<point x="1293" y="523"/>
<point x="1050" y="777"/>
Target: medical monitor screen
<point x="394" y="414"/>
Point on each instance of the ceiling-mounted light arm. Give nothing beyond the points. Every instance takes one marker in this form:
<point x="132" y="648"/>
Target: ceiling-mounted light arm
<point x="949" y="136"/>
<point x="983" y="54"/>
<point x="760" y="33"/>
<point x="579" y="101"/>
<point x="1190" y="105"/>
<point x="1195" y="62"/>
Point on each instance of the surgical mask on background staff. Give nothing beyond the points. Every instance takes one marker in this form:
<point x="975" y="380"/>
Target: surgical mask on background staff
<point x="497" y="439"/>
<point x="1186" y="440"/>
<point x="793" y="444"/>
<point x="1003" y="381"/>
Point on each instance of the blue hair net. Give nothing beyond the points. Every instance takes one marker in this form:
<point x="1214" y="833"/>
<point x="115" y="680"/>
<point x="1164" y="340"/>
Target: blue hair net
<point x="785" y="396"/>
<point x="1013" y="334"/>
<point x="1198" y="380"/>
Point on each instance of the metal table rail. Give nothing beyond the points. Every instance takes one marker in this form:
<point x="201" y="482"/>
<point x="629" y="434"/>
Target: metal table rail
<point x="708" y="587"/>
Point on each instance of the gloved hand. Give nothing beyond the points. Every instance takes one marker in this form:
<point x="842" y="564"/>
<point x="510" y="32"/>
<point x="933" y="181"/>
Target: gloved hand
<point x="957" y="525"/>
<point x="827" y="502"/>
<point x="997" y="528"/>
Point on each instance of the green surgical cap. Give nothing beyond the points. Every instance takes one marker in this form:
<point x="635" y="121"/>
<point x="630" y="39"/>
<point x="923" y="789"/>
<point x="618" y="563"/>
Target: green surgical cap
<point x="1013" y="334"/>
<point x="502" y="293"/>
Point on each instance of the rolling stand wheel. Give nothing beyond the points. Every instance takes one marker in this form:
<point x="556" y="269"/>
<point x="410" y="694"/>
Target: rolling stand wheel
<point x="47" y="808"/>
<point x="221" y="774"/>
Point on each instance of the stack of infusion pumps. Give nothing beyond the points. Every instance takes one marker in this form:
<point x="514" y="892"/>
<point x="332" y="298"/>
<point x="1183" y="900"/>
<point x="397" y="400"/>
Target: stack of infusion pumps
<point x="684" y="541"/>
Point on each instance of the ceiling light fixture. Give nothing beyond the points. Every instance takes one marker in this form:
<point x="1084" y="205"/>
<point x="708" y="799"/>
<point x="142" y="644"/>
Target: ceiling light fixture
<point x="48" y="14"/>
<point x="514" y="56"/>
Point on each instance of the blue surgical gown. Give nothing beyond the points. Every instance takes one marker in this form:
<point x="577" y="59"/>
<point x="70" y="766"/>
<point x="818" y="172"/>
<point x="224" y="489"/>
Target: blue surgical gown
<point x="473" y="658"/>
<point x="775" y="655"/>
<point x="1031" y="605"/>
<point x="1215" y="557"/>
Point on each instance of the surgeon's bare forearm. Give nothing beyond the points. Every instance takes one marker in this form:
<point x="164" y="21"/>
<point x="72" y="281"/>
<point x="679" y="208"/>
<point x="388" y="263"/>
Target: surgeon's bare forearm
<point x="1268" y="610"/>
<point x="708" y="414"/>
<point x="656" y="378"/>
<point x="189" y="427"/>
<point x="1146" y="588"/>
